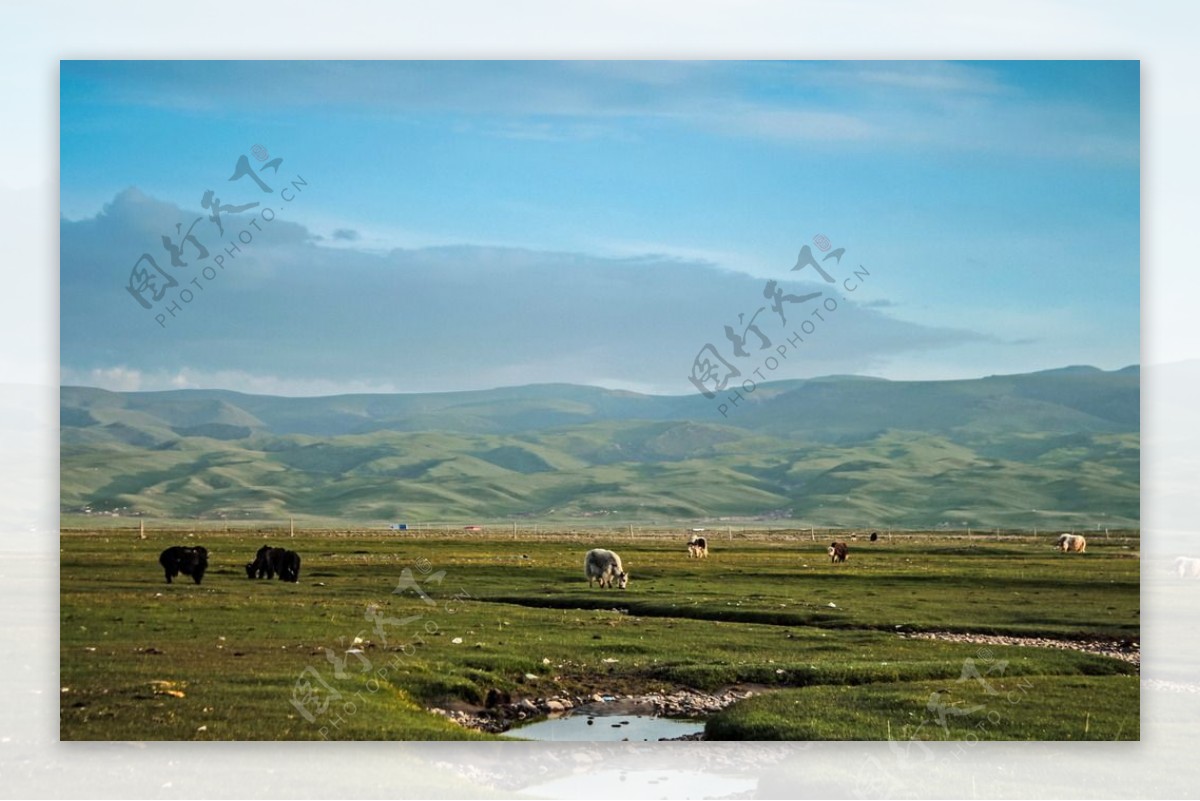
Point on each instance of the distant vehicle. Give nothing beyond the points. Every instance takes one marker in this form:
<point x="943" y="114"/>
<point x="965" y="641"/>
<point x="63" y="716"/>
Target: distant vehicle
<point x="472" y="528"/>
<point x="399" y="527"/>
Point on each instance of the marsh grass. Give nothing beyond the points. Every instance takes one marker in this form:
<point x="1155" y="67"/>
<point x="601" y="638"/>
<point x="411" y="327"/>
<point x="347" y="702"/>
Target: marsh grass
<point x="1009" y="707"/>
<point x="756" y="612"/>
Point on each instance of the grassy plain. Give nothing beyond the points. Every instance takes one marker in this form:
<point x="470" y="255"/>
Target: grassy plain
<point x="141" y="659"/>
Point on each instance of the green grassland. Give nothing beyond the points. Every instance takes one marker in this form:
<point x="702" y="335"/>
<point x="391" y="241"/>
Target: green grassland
<point x="141" y="659"/>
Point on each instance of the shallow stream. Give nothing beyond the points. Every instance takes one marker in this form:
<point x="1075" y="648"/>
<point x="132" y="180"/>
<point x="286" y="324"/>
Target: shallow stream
<point x="581" y="727"/>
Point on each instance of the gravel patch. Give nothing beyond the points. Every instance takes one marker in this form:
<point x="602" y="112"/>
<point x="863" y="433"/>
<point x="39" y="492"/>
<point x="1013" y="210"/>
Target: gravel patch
<point x="1124" y="650"/>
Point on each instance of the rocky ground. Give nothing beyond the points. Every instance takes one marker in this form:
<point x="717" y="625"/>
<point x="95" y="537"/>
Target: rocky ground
<point x="501" y="713"/>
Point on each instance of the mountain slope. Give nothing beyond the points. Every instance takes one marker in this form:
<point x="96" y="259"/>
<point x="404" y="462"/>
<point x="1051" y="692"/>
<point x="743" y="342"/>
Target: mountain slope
<point x="1047" y="449"/>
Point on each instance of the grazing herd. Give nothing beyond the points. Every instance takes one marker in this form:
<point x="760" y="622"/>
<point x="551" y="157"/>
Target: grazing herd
<point x="271" y="561"/>
<point x="600" y="566"/>
<point x="193" y="561"/>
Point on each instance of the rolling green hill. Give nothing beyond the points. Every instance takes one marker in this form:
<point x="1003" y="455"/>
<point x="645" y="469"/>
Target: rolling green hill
<point x="1053" y="449"/>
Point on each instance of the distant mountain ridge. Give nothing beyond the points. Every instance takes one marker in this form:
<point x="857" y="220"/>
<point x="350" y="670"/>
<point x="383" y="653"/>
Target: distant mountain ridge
<point x="1063" y="444"/>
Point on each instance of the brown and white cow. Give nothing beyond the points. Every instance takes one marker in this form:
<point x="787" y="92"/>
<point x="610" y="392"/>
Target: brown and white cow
<point x="838" y="551"/>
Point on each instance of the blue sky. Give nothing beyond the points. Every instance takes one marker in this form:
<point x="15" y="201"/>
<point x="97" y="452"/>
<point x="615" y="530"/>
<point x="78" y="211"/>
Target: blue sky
<point x="473" y="224"/>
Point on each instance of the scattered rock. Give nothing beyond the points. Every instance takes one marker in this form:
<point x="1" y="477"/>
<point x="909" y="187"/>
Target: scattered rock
<point x="499" y="714"/>
<point x="1125" y="650"/>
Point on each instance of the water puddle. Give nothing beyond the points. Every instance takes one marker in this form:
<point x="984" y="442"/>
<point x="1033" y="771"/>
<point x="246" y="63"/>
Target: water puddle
<point x="581" y="728"/>
<point x="668" y="784"/>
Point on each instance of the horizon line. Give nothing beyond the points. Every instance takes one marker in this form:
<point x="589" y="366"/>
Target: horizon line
<point x="765" y="384"/>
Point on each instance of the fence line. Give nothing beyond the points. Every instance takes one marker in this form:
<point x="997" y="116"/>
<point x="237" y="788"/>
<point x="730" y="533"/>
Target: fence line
<point x="632" y="531"/>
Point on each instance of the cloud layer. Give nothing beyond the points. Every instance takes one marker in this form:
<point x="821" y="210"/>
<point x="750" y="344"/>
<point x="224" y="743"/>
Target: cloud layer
<point x="291" y="315"/>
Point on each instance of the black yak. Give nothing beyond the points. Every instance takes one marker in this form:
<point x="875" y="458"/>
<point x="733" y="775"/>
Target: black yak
<point x="269" y="562"/>
<point x="182" y="559"/>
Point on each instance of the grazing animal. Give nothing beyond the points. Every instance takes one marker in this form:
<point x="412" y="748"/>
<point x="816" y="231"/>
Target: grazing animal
<point x="698" y="547"/>
<point x="271" y="561"/>
<point x="182" y="559"/>
<point x="288" y="566"/>
<point x="604" y="567"/>
<point x="874" y="536"/>
<point x="264" y="564"/>
<point x="1187" y="567"/>
<point x="1071" y="543"/>
<point x="838" y="552"/>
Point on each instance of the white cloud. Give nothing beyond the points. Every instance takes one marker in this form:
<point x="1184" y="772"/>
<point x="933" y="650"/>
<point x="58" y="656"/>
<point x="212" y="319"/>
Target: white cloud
<point x="121" y="378"/>
<point x="299" y="318"/>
